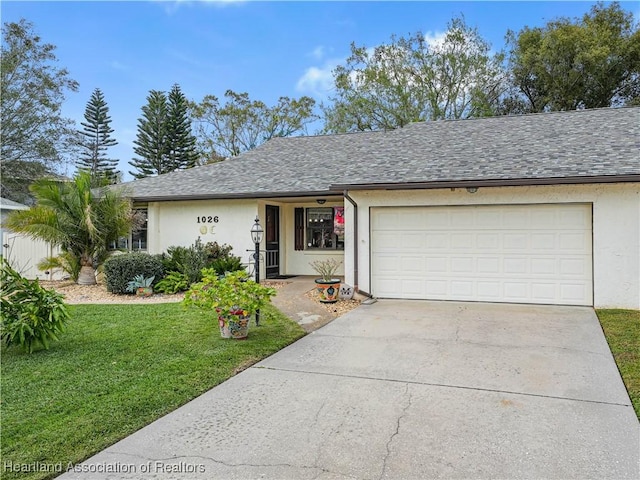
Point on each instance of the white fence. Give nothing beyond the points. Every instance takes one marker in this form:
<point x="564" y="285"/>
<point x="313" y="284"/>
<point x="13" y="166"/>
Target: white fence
<point x="24" y="254"/>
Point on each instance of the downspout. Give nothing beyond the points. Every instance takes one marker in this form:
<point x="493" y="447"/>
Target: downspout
<point x="355" y="245"/>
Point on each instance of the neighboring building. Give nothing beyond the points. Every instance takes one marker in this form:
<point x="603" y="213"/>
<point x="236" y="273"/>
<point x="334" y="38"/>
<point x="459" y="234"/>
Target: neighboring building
<point x="541" y="208"/>
<point x="23" y="253"/>
<point x="6" y="207"/>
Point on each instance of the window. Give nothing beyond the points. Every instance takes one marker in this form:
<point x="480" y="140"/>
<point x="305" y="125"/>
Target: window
<point x="324" y="228"/>
<point x="136" y="241"/>
<point x="139" y="237"/>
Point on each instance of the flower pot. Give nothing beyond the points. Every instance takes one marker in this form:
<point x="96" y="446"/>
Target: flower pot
<point x="235" y="325"/>
<point x="328" y="289"/>
<point x="144" y="291"/>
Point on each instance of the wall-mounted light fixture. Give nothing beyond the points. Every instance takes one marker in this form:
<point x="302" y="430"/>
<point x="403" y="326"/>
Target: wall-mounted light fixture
<point x="472" y="189"/>
<point x="320" y="201"/>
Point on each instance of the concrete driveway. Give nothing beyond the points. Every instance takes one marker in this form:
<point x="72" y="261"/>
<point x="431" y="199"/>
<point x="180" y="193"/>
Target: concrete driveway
<point x="407" y="390"/>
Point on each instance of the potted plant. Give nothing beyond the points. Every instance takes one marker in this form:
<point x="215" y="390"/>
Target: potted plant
<point x="141" y="285"/>
<point x="328" y="285"/>
<point x="234" y="297"/>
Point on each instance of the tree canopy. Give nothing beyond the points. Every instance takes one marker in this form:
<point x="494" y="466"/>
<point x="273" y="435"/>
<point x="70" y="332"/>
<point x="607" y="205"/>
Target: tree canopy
<point x="416" y="79"/>
<point x="589" y="62"/>
<point x="241" y="124"/>
<point x="35" y="136"/>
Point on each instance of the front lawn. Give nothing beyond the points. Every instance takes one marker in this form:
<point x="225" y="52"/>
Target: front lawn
<point x="116" y="369"/>
<point x="622" y="329"/>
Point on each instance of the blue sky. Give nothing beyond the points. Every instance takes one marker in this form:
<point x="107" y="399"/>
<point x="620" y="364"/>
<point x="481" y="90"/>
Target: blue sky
<point x="268" y="49"/>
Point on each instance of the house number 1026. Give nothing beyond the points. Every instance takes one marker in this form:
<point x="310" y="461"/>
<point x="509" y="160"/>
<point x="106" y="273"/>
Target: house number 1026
<point x="207" y="219"/>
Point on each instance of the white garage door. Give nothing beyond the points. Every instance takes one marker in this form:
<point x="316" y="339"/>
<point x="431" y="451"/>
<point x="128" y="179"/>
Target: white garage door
<point x="499" y="253"/>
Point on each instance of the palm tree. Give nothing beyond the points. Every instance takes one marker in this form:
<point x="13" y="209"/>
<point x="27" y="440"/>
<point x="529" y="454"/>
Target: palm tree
<point x="82" y="221"/>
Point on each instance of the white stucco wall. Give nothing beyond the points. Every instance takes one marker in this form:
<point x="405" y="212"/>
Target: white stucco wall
<point x="616" y="228"/>
<point x="176" y="223"/>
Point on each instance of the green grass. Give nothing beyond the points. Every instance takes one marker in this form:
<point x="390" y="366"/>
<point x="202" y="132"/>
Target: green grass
<point x="116" y="369"/>
<point x="622" y="329"/>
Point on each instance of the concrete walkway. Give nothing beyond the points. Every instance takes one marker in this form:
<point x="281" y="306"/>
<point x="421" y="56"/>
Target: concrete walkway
<point x="292" y="301"/>
<point x="406" y="390"/>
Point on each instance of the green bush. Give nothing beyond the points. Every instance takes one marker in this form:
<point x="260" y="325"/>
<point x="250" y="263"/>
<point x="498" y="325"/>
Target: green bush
<point x="216" y="251"/>
<point x="174" y="282"/>
<point x="187" y="260"/>
<point x="30" y="315"/>
<point x="227" y="264"/>
<point x="119" y="270"/>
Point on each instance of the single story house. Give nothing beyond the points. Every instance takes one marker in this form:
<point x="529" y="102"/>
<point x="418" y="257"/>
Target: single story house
<point x="540" y="208"/>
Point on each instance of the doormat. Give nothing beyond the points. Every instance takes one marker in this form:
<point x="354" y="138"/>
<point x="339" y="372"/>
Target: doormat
<point x="281" y="277"/>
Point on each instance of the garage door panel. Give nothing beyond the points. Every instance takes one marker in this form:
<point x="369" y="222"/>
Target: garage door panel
<point x="571" y="292"/>
<point x="489" y="291"/>
<point x="436" y="265"/>
<point x="461" y="289"/>
<point x="411" y="264"/>
<point x="543" y="241"/>
<point x="436" y="289"/>
<point x="545" y="291"/>
<point x="386" y="241"/>
<point x="573" y="267"/>
<point x="488" y="265"/>
<point x="412" y="241"/>
<point x="515" y="241"/>
<point x="462" y="241"/>
<point x="488" y="242"/>
<point x="388" y="265"/>
<point x="437" y="241"/>
<point x="436" y="220"/>
<point x="521" y="253"/>
<point x="544" y="266"/>
<point x="574" y="242"/>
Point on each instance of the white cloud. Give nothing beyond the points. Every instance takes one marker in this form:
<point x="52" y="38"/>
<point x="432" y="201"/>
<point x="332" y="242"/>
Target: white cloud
<point x="317" y="81"/>
<point x="171" y="6"/>
<point x="318" y="53"/>
<point x="435" y="39"/>
<point x="116" y="65"/>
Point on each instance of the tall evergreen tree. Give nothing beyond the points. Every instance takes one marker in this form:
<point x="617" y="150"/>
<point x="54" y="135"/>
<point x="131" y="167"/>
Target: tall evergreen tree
<point x="181" y="144"/>
<point x="164" y="142"/>
<point x="151" y="141"/>
<point x="96" y="138"/>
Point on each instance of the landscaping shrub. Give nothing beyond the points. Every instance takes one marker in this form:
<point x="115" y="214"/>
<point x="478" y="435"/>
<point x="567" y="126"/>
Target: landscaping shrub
<point x="227" y="264"/>
<point x="30" y="315"/>
<point x="187" y="260"/>
<point x="216" y="251"/>
<point x="174" y="282"/>
<point x="119" y="270"/>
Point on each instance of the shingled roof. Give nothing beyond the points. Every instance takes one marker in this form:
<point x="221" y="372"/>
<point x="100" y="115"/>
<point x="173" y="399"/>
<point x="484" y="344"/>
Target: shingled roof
<point x="588" y="146"/>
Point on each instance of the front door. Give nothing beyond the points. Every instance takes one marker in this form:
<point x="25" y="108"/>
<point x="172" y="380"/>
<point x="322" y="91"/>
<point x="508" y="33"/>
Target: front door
<point x="272" y="240"/>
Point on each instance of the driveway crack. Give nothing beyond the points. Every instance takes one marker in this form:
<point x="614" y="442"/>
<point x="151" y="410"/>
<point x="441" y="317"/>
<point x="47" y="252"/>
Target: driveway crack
<point x="407" y="395"/>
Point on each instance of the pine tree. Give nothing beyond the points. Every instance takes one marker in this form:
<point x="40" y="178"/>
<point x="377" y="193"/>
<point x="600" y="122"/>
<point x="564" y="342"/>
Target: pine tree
<point x="96" y="138"/>
<point x="151" y="141"/>
<point x="181" y="144"/>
